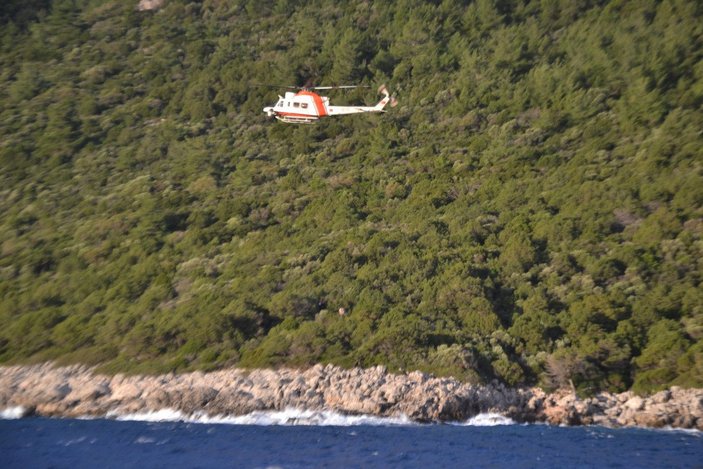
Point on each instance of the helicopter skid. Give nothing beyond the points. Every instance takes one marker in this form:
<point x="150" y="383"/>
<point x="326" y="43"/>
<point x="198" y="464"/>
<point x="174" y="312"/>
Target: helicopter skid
<point x="296" y="119"/>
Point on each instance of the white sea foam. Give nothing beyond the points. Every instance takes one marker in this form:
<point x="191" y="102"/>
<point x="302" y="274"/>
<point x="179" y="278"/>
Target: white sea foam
<point x="488" y="420"/>
<point x="292" y="416"/>
<point x="284" y="417"/>
<point x="688" y="431"/>
<point x="310" y="417"/>
<point x="162" y="415"/>
<point x="12" y="413"/>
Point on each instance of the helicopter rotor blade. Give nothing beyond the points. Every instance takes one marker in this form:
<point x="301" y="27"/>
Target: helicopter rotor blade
<point x="289" y="87"/>
<point x="338" y="87"/>
<point x="293" y="87"/>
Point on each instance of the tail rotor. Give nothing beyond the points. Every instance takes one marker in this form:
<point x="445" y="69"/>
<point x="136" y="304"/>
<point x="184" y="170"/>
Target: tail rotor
<point x="389" y="98"/>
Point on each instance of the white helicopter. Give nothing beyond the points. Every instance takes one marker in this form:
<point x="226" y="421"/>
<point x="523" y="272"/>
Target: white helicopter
<point x="306" y="106"/>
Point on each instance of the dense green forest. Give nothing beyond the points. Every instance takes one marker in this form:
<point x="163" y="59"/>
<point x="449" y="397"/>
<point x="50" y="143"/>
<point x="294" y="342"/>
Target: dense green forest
<point x="531" y="211"/>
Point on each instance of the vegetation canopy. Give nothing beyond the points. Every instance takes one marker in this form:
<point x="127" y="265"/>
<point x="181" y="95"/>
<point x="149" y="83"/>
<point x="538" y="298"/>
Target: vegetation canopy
<point x="531" y="212"/>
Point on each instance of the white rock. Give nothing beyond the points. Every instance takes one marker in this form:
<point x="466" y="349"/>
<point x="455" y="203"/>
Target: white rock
<point x="635" y="403"/>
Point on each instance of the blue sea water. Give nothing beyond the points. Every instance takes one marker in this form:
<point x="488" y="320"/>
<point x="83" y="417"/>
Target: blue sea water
<point x="265" y="442"/>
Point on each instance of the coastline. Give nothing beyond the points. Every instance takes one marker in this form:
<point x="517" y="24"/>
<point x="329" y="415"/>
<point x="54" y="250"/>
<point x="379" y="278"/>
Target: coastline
<point x="77" y="391"/>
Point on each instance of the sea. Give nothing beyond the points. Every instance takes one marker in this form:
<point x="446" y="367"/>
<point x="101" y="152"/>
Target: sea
<point x="296" y="438"/>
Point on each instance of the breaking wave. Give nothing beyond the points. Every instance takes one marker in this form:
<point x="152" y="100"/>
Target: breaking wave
<point x="689" y="431"/>
<point x="292" y="416"/>
<point x="488" y="420"/>
<point x="283" y="417"/>
<point x="12" y="413"/>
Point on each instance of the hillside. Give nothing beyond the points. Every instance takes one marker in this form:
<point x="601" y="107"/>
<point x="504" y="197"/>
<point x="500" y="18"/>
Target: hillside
<point x="532" y="211"/>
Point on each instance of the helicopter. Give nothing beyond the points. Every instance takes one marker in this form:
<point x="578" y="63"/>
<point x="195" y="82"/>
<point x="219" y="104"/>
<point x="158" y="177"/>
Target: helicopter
<point x="306" y="106"/>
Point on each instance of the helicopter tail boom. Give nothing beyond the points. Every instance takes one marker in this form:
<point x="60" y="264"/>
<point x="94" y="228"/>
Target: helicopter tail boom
<point x="338" y="110"/>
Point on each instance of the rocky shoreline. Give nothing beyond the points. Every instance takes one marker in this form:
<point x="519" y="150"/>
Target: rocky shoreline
<point x="78" y="391"/>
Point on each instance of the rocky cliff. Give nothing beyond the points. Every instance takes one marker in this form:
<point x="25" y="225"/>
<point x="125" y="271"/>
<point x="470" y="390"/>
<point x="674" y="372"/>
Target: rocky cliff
<point x="74" y="391"/>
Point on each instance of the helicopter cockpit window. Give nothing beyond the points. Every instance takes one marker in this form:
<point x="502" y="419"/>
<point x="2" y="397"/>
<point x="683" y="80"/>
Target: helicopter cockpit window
<point x="279" y="103"/>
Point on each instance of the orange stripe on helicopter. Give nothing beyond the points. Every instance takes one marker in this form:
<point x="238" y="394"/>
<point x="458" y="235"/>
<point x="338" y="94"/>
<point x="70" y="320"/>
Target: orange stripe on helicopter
<point x="319" y="105"/>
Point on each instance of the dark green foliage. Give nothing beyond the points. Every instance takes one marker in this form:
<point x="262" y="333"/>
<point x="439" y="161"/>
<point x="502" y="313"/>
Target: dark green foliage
<point x="530" y="212"/>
